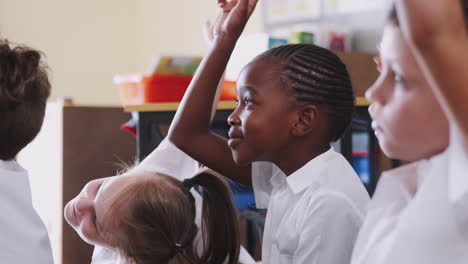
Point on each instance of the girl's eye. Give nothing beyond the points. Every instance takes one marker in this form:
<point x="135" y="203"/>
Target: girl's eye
<point x="98" y="186"/>
<point x="94" y="221"/>
<point x="399" y="79"/>
<point x="247" y="101"/>
<point x="237" y="102"/>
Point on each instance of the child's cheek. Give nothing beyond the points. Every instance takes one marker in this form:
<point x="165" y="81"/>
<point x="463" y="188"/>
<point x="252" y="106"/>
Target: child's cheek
<point x="88" y="232"/>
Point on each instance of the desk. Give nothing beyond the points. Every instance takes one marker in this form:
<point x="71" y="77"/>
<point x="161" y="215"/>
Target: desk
<point x="154" y="120"/>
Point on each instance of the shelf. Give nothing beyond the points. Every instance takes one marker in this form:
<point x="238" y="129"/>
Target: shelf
<point x="362" y="101"/>
<point x="170" y="107"/>
<point x="224" y="105"/>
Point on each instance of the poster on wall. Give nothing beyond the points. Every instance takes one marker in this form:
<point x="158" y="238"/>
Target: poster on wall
<point x="284" y="11"/>
<point x="336" y="7"/>
<point x="277" y="12"/>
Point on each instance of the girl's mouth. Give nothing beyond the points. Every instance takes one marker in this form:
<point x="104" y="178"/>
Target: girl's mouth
<point x="377" y="129"/>
<point x="234" y="142"/>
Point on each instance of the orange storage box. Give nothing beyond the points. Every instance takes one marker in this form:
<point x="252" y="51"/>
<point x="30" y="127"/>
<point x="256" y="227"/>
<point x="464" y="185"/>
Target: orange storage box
<point x="137" y="89"/>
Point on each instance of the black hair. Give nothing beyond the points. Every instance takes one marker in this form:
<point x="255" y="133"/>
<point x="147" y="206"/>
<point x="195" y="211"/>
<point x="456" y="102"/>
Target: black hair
<point x="316" y="75"/>
<point x="24" y="89"/>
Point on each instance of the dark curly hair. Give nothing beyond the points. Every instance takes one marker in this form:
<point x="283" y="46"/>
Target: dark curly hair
<point x="316" y="75"/>
<point x="24" y="89"/>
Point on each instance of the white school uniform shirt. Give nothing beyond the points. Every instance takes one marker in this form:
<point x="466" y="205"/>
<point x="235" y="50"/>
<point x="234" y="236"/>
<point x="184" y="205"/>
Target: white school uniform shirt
<point x="419" y="212"/>
<point x="314" y="215"/>
<point x="23" y="235"/>
<point x="169" y="160"/>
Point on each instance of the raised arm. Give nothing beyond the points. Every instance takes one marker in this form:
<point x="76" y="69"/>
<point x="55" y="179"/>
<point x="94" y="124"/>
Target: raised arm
<point x="437" y="34"/>
<point x="190" y="128"/>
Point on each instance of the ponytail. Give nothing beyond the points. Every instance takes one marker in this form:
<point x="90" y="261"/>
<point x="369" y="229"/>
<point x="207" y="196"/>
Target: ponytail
<point x="155" y="221"/>
<point x="219" y="220"/>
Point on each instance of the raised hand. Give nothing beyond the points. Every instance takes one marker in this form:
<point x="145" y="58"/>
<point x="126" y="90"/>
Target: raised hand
<point x="232" y="17"/>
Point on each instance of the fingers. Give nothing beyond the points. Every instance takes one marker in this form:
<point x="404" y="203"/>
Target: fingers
<point x="221" y="3"/>
<point x="226" y="5"/>
<point x="245" y="7"/>
<point x="208" y="31"/>
<point x="230" y="5"/>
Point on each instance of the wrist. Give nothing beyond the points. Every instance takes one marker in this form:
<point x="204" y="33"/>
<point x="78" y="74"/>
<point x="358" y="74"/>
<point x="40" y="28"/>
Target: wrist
<point x="225" y="40"/>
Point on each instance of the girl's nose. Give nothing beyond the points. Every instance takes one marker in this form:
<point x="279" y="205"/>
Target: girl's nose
<point x="83" y="206"/>
<point x="233" y="118"/>
<point x="377" y="92"/>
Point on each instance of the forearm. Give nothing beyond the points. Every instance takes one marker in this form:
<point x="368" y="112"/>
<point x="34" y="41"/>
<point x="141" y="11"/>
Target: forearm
<point x="217" y="97"/>
<point x="422" y="23"/>
<point x="445" y="66"/>
<point x="193" y="117"/>
<point x="437" y="35"/>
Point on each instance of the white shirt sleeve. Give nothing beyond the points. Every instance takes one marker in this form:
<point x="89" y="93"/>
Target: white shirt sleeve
<point x="330" y="229"/>
<point x="261" y="175"/>
<point x="169" y="160"/>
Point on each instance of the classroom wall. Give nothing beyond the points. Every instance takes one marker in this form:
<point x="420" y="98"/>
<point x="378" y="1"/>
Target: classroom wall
<point x="161" y="29"/>
<point x="87" y="42"/>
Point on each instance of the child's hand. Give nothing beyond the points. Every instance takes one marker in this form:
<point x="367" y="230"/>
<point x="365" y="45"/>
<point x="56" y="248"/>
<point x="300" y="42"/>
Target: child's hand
<point x="232" y="18"/>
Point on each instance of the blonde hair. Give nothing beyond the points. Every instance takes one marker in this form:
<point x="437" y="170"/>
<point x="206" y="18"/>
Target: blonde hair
<point x="157" y="223"/>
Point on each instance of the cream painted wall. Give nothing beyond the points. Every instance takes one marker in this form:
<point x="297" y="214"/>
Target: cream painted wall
<point x="175" y="27"/>
<point x="87" y="42"/>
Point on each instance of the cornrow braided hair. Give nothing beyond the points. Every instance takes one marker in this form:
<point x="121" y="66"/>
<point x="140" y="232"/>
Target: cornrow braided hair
<point x="317" y="76"/>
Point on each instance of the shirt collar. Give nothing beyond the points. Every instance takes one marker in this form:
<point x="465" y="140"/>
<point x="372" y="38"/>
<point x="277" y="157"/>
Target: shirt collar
<point x="11" y="165"/>
<point x="310" y="172"/>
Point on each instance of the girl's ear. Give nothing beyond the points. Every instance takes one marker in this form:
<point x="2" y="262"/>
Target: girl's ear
<point x="307" y="116"/>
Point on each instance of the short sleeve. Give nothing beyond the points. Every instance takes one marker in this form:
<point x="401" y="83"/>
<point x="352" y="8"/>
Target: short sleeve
<point x="261" y="175"/>
<point x="170" y="160"/>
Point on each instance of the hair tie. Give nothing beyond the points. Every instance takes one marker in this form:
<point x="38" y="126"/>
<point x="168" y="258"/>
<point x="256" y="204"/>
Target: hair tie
<point x="176" y="249"/>
<point x="188" y="184"/>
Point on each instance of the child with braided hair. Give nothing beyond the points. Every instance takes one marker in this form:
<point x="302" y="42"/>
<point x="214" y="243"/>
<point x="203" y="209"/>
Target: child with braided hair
<point x="293" y="101"/>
